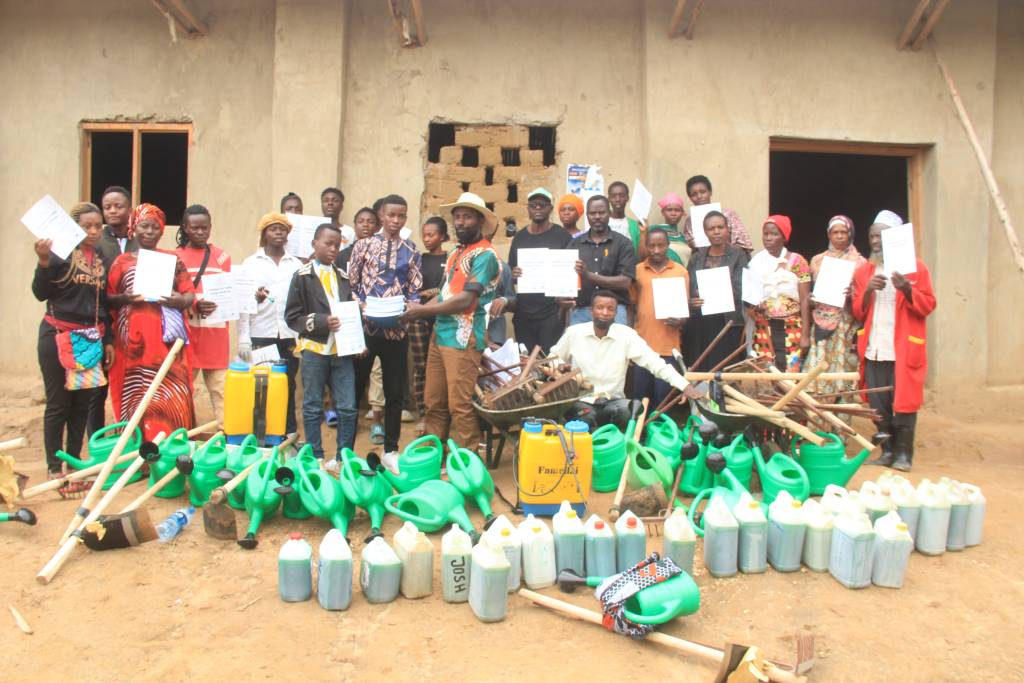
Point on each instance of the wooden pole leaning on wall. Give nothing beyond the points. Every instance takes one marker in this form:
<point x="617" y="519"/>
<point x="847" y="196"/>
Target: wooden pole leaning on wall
<point x="986" y="169"/>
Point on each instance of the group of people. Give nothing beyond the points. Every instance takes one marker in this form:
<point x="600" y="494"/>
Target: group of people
<point x="96" y="331"/>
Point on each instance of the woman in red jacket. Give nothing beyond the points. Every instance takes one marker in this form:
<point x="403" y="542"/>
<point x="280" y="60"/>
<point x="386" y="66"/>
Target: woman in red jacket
<point x="892" y="345"/>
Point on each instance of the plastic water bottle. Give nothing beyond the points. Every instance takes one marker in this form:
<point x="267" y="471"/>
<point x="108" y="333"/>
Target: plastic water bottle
<point x="175" y="522"/>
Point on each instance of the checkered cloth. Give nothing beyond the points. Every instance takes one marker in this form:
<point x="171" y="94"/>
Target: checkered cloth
<point x="615" y="590"/>
<point x="419" y="332"/>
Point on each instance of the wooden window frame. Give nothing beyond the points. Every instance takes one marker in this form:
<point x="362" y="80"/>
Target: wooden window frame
<point x="136" y="128"/>
<point x="914" y="154"/>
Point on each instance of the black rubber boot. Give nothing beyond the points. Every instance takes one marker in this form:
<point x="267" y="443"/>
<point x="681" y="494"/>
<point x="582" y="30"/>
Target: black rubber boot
<point x="904" y="449"/>
<point x="885" y="436"/>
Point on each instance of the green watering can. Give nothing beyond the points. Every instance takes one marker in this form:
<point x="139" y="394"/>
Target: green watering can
<point x="431" y="506"/>
<point x="101" y="444"/>
<point x="209" y="460"/>
<point x="663" y="436"/>
<point x="609" y="446"/>
<point x="263" y="495"/>
<point x="739" y="459"/>
<point x="655" y="604"/>
<point x="322" y="495"/>
<point x="467" y="473"/>
<point x="826" y="464"/>
<point x="419" y="462"/>
<point x="292" y="506"/>
<point x="173" y="447"/>
<point x="362" y="483"/>
<point x="781" y="473"/>
<point x="730" y="489"/>
<point x="648" y="466"/>
<point x="696" y="476"/>
<point x="237" y="459"/>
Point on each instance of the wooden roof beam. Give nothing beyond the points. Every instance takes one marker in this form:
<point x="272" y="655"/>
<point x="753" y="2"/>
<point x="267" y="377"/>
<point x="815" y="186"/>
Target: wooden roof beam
<point x="184" y="16"/>
<point x="692" y="24"/>
<point x="421" y="27"/>
<point x="912" y="23"/>
<point x="677" y="18"/>
<point x="929" y="25"/>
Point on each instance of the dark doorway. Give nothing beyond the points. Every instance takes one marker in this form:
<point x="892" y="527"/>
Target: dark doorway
<point x="111" y="163"/>
<point x="811" y="187"/>
<point x="165" y="173"/>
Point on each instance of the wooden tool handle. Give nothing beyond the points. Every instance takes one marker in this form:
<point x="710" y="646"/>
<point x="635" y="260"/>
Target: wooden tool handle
<point x="809" y="401"/>
<point x="785" y="423"/>
<point x="11" y="444"/>
<point x="613" y="511"/>
<point x="170" y="476"/>
<point x="799" y="386"/>
<point x="126" y="435"/>
<point x="711" y="654"/>
<point x="218" y="495"/>
<point x="765" y="377"/>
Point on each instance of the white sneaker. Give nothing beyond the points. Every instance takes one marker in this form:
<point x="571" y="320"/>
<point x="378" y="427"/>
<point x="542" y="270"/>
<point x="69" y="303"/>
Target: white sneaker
<point x="390" y="461"/>
<point x="407" y="416"/>
<point x="333" y="466"/>
<point x="369" y="414"/>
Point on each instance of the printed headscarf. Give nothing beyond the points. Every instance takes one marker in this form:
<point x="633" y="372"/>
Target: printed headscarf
<point x="889" y="219"/>
<point x="144" y="212"/>
<point x="671" y="199"/>
<point x="572" y="200"/>
<point x="840" y="219"/>
<point x="783" y="223"/>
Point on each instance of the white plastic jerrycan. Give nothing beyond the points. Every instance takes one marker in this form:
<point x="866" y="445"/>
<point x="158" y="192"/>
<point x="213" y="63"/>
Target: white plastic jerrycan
<point x="538" y="553"/>
<point x="975" y="516"/>
<point x="680" y="540"/>
<point x="569" y="539"/>
<point x="933" y="523"/>
<point x="334" y="572"/>
<point x="631" y="541"/>
<point x="786" y="531"/>
<point x="416" y="552"/>
<point x="904" y="495"/>
<point x="456" y="556"/>
<point x="599" y="547"/>
<point x="876" y="501"/>
<point x="818" y="540"/>
<point x="721" y="539"/>
<point x="505" y="536"/>
<point x="488" y="581"/>
<point x="853" y="540"/>
<point x="893" y="546"/>
<point x="753" y="538"/>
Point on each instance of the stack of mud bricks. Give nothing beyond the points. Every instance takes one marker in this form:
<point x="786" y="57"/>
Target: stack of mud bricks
<point x="490" y="178"/>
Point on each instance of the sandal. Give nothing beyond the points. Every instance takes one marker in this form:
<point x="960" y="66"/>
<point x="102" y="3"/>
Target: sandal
<point x="377" y="433"/>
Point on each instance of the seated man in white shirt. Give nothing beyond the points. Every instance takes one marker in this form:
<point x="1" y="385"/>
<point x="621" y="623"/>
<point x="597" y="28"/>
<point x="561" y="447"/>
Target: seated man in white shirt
<point x="602" y="350"/>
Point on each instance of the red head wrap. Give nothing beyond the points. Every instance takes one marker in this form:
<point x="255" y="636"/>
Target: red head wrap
<point x="783" y="223"/>
<point x="572" y="200"/>
<point x="145" y="212"/>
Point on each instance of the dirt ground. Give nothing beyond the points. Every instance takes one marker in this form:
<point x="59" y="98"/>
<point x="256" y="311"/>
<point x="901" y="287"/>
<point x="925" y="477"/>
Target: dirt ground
<point x="200" y="609"/>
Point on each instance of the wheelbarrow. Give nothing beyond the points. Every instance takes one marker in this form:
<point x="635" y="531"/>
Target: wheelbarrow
<point x="506" y="423"/>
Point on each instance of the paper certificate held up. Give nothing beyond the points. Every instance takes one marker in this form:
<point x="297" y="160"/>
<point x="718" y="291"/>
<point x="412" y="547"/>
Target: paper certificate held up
<point x="753" y="287"/>
<point x="833" y="280"/>
<point x="714" y="286"/>
<point x="48" y="221"/>
<point x="640" y="201"/>
<point x="300" y="238"/>
<point x="562" y="279"/>
<point x="697" y="215"/>
<point x="154" y="274"/>
<point x="671" y="298"/>
<point x="349" y="339"/>
<point x="533" y="263"/>
<point x="220" y="289"/>
<point x="898" y="250"/>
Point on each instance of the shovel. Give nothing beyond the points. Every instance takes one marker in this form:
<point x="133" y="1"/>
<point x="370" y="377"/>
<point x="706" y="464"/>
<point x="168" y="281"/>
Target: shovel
<point x="218" y="516"/>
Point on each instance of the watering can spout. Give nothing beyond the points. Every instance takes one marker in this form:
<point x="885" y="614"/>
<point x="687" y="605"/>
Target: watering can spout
<point x="77" y="463"/>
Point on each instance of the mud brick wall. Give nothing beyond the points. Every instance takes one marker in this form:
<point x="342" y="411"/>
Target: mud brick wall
<point x="495" y="162"/>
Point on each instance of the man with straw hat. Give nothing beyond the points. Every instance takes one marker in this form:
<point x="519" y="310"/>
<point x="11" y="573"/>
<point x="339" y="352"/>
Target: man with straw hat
<point x="271" y="268"/>
<point x="471" y="276"/>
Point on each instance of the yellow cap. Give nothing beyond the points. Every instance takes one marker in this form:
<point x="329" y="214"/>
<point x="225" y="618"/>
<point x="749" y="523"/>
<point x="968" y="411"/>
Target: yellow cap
<point x="753" y="504"/>
<point x="506" y="531"/>
<point x="796" y="503"/>
<point x="535" y="529"/>
<point x="901" y="527"/>
<point x="571" y="514"/>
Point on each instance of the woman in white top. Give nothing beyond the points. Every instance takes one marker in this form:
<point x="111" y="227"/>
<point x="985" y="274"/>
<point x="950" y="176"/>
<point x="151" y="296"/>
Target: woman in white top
<point x="271" y="268"/>
<point x="782" y="321"/>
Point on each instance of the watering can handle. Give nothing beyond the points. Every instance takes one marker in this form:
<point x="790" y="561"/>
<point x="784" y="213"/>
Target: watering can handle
<point x="701" y="495"/>
<point x="666" y="613"/>
<point x="419" y="521"/>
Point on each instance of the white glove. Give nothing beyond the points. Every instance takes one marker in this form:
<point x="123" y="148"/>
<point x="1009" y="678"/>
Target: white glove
<point x="245" y="351"/>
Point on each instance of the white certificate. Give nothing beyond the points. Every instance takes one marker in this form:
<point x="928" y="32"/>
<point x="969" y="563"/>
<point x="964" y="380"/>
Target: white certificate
<point x="753" y="287"/>
<point x="534" y="263"/>
<point x="349" y="338"/>
<point x="300" y="238"/>
<point x="562" y="279"/>
<point x="154" y="274"/>
<point x="670" y="297"/>
<point x="714" y="286"/>
<point x="898" y="250"/>
<point x="833" y="279"/>
<point x="265" y="355"/>
<point x="244" y="291"/>
<point x="220" y="289"/>
<point x="48" y="221"/>
<point x="640" y="201"/>
<point x="697" y="214"/>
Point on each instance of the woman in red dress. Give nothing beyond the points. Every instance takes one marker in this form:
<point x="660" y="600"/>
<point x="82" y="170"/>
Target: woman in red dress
<point x="143" y="333"/>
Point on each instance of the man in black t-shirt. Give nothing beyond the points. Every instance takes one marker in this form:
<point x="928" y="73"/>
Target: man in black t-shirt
<point x="537" y="319"/>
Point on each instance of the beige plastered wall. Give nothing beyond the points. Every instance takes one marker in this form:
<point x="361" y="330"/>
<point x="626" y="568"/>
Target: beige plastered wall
<point x="299" y="94"/>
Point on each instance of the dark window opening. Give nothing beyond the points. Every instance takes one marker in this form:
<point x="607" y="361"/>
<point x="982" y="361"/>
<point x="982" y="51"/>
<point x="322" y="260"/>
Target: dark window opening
<point x="489" y="205"/>
<point x="513" y="193"/>
<point x="510" y="156"/>
<point x="111" y="163"/>
<point x="439" y="135"/>
<point x="465" y="187"/>
<point x="470" y="156"/>
<point x="164" y="173"/>
<point x="489" y="175"/>
<point x="543" y="137"/>
<point x="811" y="187"/>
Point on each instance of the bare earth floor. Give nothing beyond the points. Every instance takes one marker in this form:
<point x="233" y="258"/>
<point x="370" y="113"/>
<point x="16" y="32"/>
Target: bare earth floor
<point x="202" y="609"/>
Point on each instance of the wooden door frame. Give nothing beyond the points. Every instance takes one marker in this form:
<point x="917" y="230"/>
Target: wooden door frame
<point x="914" y="154"/>
<point x="136" y="128"/>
